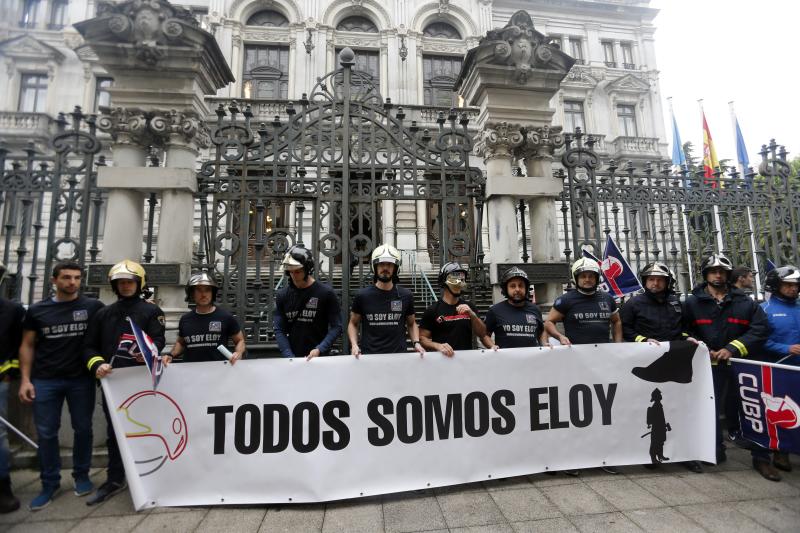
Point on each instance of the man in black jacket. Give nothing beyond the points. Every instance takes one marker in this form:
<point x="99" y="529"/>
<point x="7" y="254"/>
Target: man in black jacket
<point x="655" y="315"/>
<point x="110" y="344"/>
<point x="11" y="315"/>
<point x="732" y="325"/>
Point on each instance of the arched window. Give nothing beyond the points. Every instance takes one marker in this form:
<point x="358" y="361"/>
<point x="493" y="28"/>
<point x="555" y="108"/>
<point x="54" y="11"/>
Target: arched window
<point x="268" y="17"/>
<point x="441" y="30"/>
<point x="357" y="23"/>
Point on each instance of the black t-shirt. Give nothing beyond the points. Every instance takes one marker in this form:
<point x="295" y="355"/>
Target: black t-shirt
<point x="202" y="333"/>
<point x="60" y="327"/>
<point x="308" y="316"/>
<point x="587" y="318"/>
<point x="447" y="325"/>
<point x="383" y="318"/>
<point x="514" y="327"/>
<point x="11" y="316"/>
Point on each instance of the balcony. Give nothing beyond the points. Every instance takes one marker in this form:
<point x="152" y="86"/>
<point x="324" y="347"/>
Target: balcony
<point x="629" y="66"/>
<point x="611" y="64"/>
<point x="18" y="128"/>
<point x="635" y="147"/>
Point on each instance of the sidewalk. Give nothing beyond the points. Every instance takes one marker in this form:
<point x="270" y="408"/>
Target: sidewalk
<point x="729" y="498"/>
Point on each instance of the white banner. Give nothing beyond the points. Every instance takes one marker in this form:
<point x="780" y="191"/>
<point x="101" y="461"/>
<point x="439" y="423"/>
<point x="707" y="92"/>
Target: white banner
<point x="291" y="430"/>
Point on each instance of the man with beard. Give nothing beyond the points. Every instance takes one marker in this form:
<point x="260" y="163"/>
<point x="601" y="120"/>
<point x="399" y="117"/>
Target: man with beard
<point x="515" y="322"/>
<point x="655" y="316"/>
<point x="307" y="318"/>
<point x="783" y="314"/>
<point x="110" y="344"/>
<point x="201" y="330"/>
<point x="451" y="323"/>
<point x="732" y="325"/>
<point x="384" y="311"/>
<point x="50" y="362"/>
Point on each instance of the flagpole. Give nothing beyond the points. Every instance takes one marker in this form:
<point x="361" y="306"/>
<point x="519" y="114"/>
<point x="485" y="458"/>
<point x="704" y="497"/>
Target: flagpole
<point x="743" y="170"/>
<point x="686" y="241"/>
<point x="707" y="132"/>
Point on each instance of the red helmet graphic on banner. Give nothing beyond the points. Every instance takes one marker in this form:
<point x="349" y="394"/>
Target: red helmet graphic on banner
<point x="781" y="412"/>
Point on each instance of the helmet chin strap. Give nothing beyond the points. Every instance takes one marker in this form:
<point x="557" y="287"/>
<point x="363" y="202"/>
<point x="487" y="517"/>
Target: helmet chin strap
<point x="586" y="292"/>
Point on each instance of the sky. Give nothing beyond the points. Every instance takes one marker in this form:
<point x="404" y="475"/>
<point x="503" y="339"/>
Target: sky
<point x="731" y="50"/>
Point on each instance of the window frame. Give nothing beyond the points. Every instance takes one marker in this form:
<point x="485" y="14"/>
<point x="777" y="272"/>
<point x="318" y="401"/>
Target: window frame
<point x="100" y="89"/>
<point x="608" y="53"/>
<point x="627" y="56"/>
<point x="624" y="118"/>
<point x="58" y="7"/>
<point x="571" y="113"/>
<point x="31" y="11"/>
<point x="266" y="72"/>
<point x="433" y="85"/>
<point x="39" y="96"/>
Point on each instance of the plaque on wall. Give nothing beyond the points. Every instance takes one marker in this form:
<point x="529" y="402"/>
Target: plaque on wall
<point x="156" y="273"/>
<point x="539" y="272"/>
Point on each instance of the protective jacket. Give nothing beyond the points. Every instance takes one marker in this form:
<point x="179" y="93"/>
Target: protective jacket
<point x="650" y="316"/>
<point x="736" y="323"/>
<point x="11" y="315"/>
<point x="109" y="329"/>
<point x="784" y="323"/>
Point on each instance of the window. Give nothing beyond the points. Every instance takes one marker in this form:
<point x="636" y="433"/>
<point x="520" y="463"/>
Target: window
<point x="441" y="30"/>
<point x="58" y="15"/>
<point x="266" y="72"/>
<point x="627" y="121"/>
<point x="576" y="49"/>
<point x="30" y="12"/>
<point x="556" y="40"/>
<point x="367" y="62"/>
<point x="32" y="93"/>
<point x="573" y="116"/>
<point x="268" y="17"/>
<point x="101" y="95"/>
<point x="439" y="74"/>
<point x="627" y="56"/>
<point x="608" y="53"/>
<point x="356" y="23"/>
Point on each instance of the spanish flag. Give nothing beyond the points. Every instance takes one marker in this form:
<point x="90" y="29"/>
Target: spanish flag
<point x="710" y="161"/>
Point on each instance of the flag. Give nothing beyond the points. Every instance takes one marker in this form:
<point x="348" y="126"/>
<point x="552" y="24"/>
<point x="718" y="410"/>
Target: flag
<point x="710" y="161"/>
<point x="678" y="156"/>
<point x="603" y="286"/>
<point x="770" y="265"/>
<point x="768" y="396"/>
<point x="619" y="275"/>
<point x="741" y="149"/>
<point x="149" y="351"/>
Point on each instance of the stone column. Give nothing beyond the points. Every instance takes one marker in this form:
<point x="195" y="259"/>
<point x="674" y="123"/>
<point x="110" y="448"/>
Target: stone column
<point x="423" y="256"/>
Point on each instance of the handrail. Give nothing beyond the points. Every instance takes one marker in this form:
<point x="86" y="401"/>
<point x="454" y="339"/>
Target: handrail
<point x="430" y="290"/>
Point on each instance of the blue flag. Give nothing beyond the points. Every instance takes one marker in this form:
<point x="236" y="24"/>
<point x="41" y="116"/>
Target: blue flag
<point x="741" y="153"/>
<point x="678" y="156"/>
<point x="768" y="411"/>
<point x="770" y="265"/>
<point x="619" y="276"/>
<point x="149" y="351"/>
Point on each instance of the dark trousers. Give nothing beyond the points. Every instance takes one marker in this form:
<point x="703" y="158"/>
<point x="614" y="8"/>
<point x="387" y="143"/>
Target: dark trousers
<point x="116" y="469"/>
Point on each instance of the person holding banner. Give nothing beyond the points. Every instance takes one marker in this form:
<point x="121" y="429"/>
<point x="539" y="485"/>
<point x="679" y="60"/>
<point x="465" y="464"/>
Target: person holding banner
<point x="383" y="311"/>
<point x="783" y="314"/>
<point x="450" y="323"/>
<point x="587" y="312"/>
<point x="307" y="319"/>
<point x="656" y="316"/>
<point x="732" y="325"/>
<point x="11" y="316"/>
<point x="205" y="328"/>
<point x="110" y="343"/>
<point x="515" y="322"/>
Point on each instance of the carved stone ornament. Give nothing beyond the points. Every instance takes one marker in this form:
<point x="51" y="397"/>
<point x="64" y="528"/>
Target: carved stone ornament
<point x="519" y="45"/>
<point x="541" y="143"/>
<point x="498" y="140"/>
<point x="154" y="128"/>
<point x="147" y="24"/>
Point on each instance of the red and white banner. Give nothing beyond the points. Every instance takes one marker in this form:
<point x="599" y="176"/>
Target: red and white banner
<point x="291" y="430"/>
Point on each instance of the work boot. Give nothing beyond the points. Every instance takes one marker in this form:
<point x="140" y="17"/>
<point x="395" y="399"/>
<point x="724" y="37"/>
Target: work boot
<point x="8" y="502"/>
<point x="766" y="470"/>
<point x="781" y="461"/>
<point x="106" y="490"/>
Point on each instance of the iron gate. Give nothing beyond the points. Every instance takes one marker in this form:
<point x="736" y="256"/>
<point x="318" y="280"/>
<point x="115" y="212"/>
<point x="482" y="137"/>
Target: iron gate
<point x="321" y="178"/>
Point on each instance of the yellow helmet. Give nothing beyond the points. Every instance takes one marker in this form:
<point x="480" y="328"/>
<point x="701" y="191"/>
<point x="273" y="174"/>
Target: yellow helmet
<point x="127" y="269"/>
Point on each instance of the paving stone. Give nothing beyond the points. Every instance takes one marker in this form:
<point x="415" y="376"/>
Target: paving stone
<point x="663" y="520"/>
<point x="625" y="495"/>
<point x="23" y="478"/>
<point x="491" y="528"/>
<point x="550" y="525"/>
<point x="791" y="503"/>
<point x="412" y="513"/>
<point x="508" y="483"/>
<point x="772" y="514"/>
<point x="172" y="522"/>
<point x="524" y="504"/>
<point x="717" y="487"/>
<point x="109" y="524"/>
<point x="119" y="504"/>
<point x="672" y="490"/>
<point x="17" y="516"/>
<point x="297" y="518"/>
<point x="469" y="509"/>
<point x="235" y="518"/>
<point x="351" y="517"/>
<point x="760" y="487"/>
<point x="605" y="523"/>
<point x="52" y="526"/>
<point x="577" y="499"/>
<point x="64" y="506"/>
<point x="722" y="518"/>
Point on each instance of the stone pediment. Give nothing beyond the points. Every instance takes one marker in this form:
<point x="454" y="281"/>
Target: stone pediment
<point x="628" y="84"/>
<point x="580" y="76"/>
<point x="28" y="47"/>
